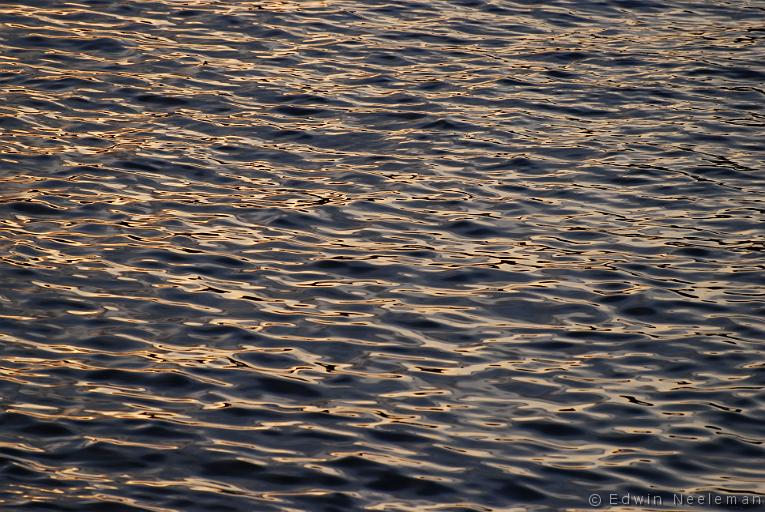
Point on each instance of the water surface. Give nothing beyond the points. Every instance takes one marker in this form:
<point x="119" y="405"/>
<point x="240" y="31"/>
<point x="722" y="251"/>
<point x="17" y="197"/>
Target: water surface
<point x="384" y="255"/>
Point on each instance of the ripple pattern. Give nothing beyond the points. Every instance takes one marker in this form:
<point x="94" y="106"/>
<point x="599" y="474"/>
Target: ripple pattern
<point x="334" y="255"/>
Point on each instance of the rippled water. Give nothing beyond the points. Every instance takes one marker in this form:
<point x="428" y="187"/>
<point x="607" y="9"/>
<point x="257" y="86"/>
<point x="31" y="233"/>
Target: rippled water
<point x="388" y="255"/>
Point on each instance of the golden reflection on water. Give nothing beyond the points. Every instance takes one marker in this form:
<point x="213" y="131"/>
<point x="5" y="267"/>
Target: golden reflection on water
<point x="447" y="254"/>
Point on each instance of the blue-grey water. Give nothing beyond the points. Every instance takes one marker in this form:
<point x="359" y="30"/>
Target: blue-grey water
<point x="336" y="255"/>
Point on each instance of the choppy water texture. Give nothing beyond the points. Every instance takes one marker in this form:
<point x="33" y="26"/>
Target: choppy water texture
<point x="383" y="255"/>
